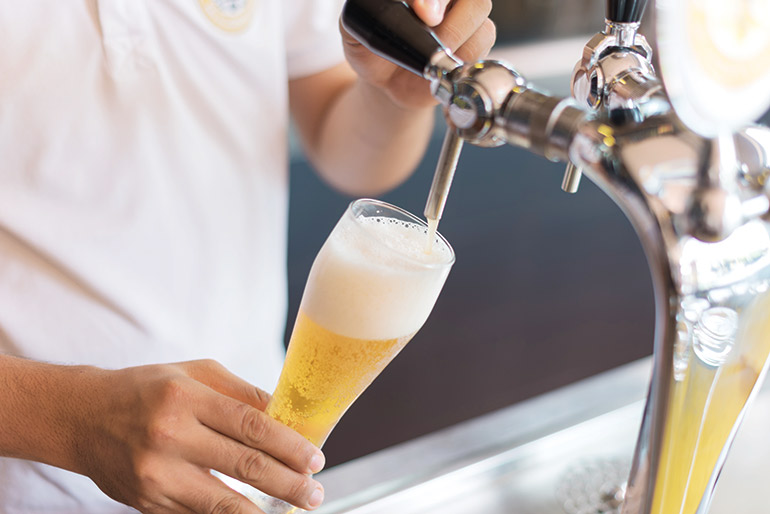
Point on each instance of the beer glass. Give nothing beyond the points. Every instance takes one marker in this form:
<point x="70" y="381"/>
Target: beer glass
<point x="371" y="287"/>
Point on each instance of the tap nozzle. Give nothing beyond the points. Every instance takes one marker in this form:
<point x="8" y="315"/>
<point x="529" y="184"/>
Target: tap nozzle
<point x="571" y="181"/>
<point x="445" y="172"/>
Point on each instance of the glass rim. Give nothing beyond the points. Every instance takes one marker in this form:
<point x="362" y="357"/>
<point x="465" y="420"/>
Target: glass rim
<point x="412" y="218"/>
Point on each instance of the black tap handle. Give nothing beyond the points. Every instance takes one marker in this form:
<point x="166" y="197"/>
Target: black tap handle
<point x="625" y="11"/>
<point x="392" y="30"/>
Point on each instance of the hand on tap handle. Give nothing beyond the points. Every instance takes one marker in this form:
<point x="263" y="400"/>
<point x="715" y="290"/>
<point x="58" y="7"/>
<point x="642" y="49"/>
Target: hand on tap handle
<point x="409" y="34"/>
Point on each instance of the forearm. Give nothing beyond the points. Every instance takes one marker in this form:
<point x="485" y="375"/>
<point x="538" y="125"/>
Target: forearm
<point x="368" y="144"/>
<point x="37" y="402"/>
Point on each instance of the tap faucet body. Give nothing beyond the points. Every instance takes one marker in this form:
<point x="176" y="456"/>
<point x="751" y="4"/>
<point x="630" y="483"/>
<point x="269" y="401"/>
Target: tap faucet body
<point x="700" y="205"/>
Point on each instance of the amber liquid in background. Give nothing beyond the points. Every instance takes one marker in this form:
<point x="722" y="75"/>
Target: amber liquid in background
<point x="705" y="405"/>
<point x="323" y="374"/>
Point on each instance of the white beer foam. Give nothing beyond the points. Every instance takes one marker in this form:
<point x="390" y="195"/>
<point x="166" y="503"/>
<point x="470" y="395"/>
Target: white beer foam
<point x="375" y="280"/>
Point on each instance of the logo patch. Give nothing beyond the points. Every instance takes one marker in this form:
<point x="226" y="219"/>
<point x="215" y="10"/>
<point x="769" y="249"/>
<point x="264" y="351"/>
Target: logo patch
<point x="229" y="15"/>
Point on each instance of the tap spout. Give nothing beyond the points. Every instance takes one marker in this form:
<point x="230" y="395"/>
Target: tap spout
<point x="442" y="178"/>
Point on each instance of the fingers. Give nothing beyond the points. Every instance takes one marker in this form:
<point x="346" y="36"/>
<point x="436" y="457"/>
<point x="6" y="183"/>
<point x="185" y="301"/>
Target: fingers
<point x="204" y="493"/>
<point x="217" y="377"/>
<point x="430" y="11"/>
<point x="462" y="25"/>
<point x="255" y="429"/>
<point x="462" y="21"/>
<point x="479" y="44"/>
<point x="257" y="449"/>
<point x="256" y="468"/>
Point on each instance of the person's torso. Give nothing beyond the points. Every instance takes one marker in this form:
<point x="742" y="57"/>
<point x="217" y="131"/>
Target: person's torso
<point x="143" y="174"/>
<point x="143" y="185"/>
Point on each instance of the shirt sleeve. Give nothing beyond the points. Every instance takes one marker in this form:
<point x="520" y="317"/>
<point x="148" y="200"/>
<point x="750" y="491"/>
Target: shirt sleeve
<point x="312" y="36"/>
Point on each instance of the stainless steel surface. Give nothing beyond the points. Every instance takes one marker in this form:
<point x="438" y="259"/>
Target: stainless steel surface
<point x="715" y="209"/>
<point x="541" y="123"/>
<point x="626" y="34"/>
<point x="438" y="71"/>
<point x="610" y="59"/>
<point x="520" y="460"/>
<point x="481" y="91"/>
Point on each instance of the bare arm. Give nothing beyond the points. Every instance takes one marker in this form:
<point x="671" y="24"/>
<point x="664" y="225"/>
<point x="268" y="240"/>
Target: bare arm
<point x="35" y="401"/>
<point x="359" y="140"/>
<point x="148" y="436"/>
<point x="365" y="125"/>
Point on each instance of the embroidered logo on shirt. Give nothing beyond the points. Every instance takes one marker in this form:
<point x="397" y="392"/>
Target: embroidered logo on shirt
<point x="229" y="15"/>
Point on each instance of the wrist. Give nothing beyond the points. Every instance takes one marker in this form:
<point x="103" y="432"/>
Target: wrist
<point x="43" y="411"/>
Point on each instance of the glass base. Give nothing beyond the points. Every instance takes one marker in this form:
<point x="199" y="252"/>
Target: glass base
<point x="267" y="503"/>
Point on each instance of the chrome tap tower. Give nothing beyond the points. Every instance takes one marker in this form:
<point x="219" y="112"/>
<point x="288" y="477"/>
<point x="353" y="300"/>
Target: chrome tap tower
<point x="677" y="152"/>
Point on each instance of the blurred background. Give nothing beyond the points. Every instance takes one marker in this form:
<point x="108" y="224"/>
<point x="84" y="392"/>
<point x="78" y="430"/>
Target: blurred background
<point x="548" y="288"/>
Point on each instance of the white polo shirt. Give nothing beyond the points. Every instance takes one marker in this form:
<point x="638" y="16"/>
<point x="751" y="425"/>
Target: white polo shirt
<point x="143" y="190"/>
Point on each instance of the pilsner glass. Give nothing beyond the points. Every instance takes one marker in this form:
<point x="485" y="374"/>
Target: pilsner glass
<point x="370" y="289"/>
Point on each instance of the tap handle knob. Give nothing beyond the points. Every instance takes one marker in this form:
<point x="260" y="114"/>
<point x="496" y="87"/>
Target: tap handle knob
<point x="625" y="11"/>
<point x="392" y="30"/>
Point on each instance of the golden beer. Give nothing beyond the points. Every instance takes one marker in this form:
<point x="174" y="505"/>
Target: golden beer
<point x="323" y="374"/>
<point x="705" y="405"/>
<point x="371" y="288"/>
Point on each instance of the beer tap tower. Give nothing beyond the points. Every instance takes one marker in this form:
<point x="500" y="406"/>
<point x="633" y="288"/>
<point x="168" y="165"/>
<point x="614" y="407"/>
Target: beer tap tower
<point x="675" y="150"/>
